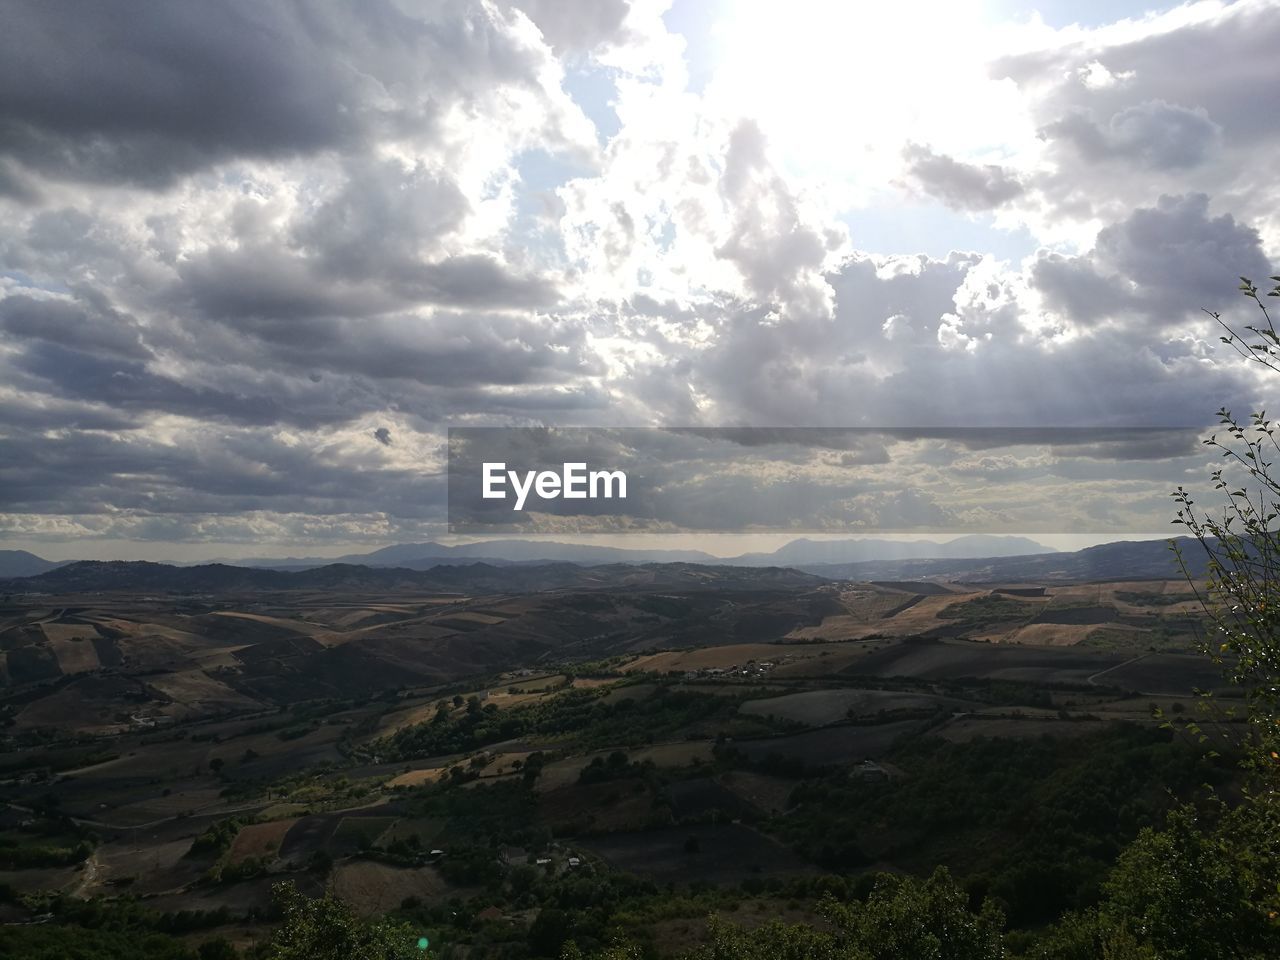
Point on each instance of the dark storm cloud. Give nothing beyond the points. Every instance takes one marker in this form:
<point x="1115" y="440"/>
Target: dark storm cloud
<point x="961" y="186"/>
<point x="33" y="414"/>
<point x="130" y="385"/>
<point x="107" y="91"/>
<point x="15" y="184"/>
<point x="261" y="285"/>
<point x="383" y="436"/>
<point x="64" y="322"/>
<point x="279" y="300"/>
<point x="446" y="349"/>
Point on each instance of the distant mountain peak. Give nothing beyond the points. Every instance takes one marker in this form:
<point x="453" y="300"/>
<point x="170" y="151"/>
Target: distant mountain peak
<point x="20" y="563"/>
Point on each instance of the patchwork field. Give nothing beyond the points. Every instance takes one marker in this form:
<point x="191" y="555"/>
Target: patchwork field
<point x="259" y="839"/>
<point x="843" y="744"/>
<point x="375" y="888"/>
<point x="722" y="852"/>
<point x="820" y="707"/>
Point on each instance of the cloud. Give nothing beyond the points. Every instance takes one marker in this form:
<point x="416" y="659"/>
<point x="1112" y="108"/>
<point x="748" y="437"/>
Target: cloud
<point x="1164" y="263"/>
<point x="1156" y="134"/>
<point x="577" y="25"/>
<point x="67" y="321"/>
<point x="696" y="207"/>
<point x="1174" y="103"/>
<point x="182" y="88"/>
<point x="778" y="253"/>
<point x="255" y="258"/>
<point x="961" y="186"/>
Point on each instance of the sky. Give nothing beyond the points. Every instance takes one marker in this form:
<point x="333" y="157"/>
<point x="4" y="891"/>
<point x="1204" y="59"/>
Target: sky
<point x="257" y="256"/>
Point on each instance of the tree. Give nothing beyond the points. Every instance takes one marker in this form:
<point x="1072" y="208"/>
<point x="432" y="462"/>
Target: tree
<point x="902" y="919"/>
<point x="549" y="932"/>
<point x="217" y="949"/>
<point x="1240" y="544"/>
<point x="1199" y="891"/>
<point x="328" y="929"/>
<point x="1091" y="936"/>
<point x="930" y="920"/>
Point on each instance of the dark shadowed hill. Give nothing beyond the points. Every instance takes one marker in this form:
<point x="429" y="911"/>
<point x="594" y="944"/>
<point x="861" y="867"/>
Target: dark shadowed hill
<point x="93" y="576"/>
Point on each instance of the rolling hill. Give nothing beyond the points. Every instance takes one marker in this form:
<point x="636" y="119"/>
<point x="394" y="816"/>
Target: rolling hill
<point x="143" y="576"/>
<point x="1122" y="560"/>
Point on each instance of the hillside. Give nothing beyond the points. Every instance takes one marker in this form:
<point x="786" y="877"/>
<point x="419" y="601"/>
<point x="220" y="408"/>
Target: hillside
<point x="1123" y="560"/>
<point x="133" y="576"/>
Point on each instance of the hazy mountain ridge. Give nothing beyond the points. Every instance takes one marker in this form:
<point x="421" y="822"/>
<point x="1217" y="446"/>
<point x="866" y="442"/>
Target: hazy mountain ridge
<point x="20" y="563"/>
<point x="808" y="552"/>
<point x="1122" y="560"/>
<point x="422" y="556"/>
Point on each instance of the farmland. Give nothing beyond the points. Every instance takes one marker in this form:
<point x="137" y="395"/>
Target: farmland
<point x="443" y="756"/>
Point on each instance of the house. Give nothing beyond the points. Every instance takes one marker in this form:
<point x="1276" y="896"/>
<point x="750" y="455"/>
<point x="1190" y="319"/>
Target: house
<point x="868" y="771"/>
<point x="575" y="862"/>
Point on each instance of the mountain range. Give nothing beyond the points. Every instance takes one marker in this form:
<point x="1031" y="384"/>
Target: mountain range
<point x="140" y="576"/>
<point x="423" y="556"/>
<point x="1123" y="560"/>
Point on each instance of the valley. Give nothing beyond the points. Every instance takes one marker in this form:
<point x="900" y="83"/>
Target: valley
<point x="459" y="747"/>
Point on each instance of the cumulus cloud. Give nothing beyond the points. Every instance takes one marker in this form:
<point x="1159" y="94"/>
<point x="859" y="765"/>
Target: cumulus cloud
<point x="1162" y="262"/>
<point x="1156" y="134"/>
<point x="1173" y="103"/>
<point x="962" y="186"/>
